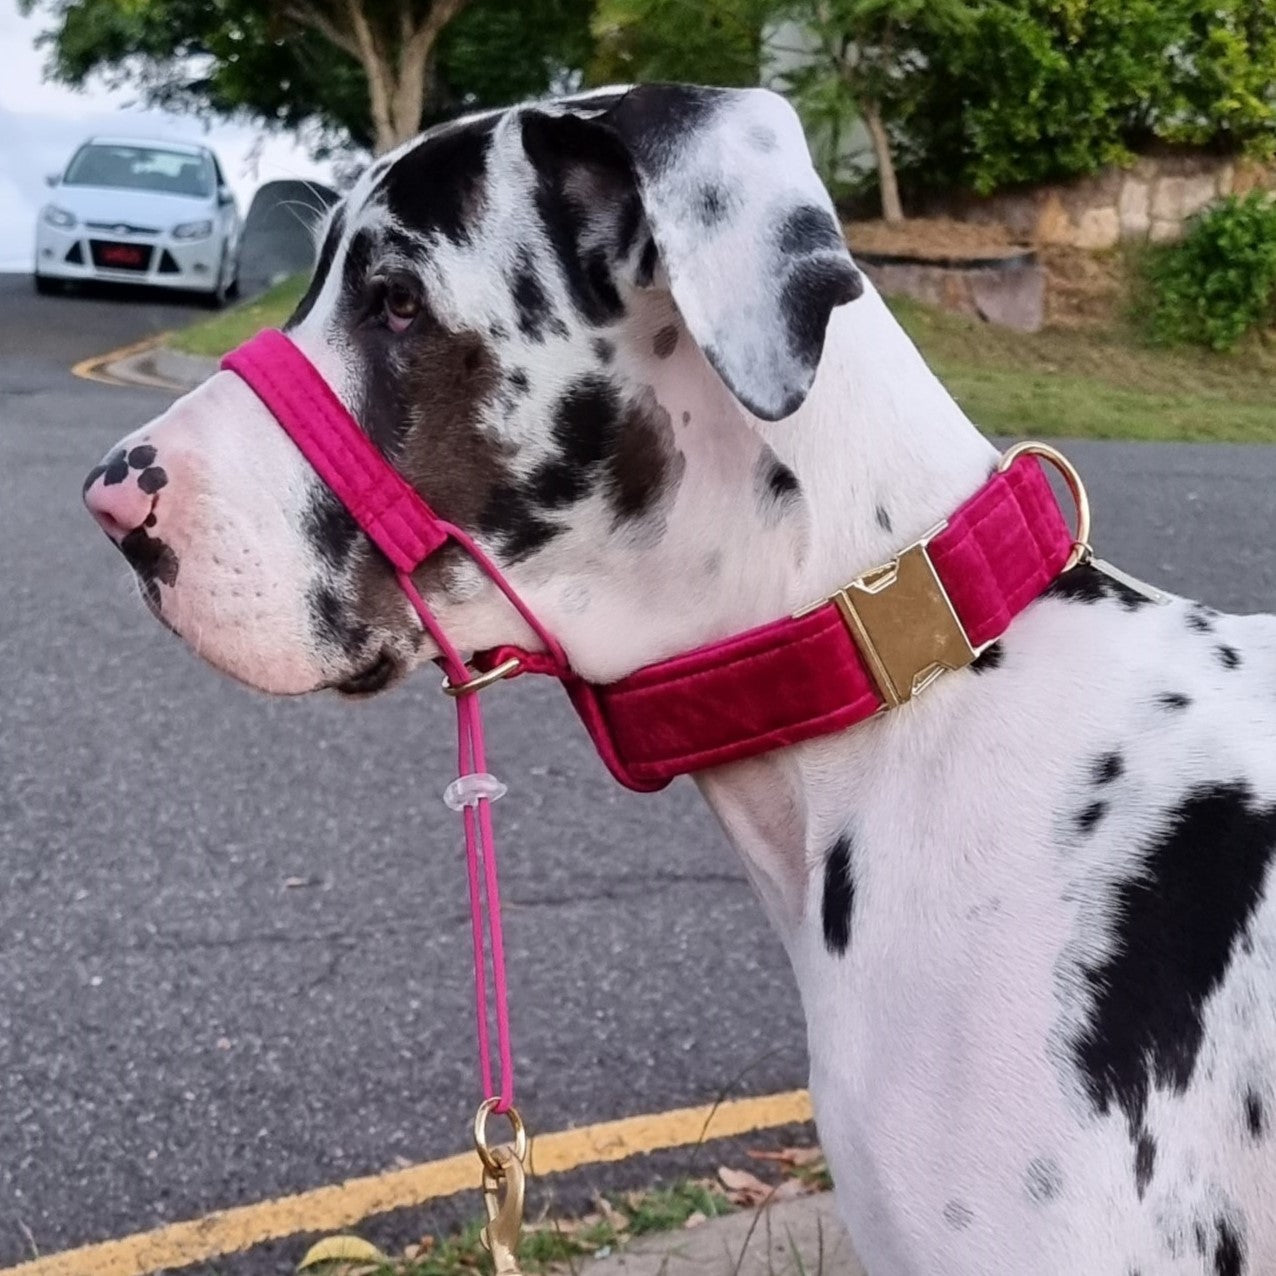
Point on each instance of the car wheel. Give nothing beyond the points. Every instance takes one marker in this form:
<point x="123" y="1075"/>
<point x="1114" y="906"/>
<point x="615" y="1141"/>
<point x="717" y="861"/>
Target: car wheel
<point x="47" y="287"/>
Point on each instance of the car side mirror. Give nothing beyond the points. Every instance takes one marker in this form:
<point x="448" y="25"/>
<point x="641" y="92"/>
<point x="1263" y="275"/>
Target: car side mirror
<point x="52" y="179"/>
<point x="224" y="196"/>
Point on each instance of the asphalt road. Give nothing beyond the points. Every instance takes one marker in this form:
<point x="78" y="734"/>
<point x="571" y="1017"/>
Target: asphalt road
<point x="233" y="936"/>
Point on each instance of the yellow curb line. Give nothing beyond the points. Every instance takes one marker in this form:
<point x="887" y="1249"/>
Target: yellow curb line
<point x="93" y="368"/>
<point x="324" y="1209"/>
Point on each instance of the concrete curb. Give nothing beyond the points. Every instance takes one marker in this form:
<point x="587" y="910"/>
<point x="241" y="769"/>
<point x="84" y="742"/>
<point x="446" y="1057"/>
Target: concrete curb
<point x="802" y="1237"/>
<point x="160" y="367"/>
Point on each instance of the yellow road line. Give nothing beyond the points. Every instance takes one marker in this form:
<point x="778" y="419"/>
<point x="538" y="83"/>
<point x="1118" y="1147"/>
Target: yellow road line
<point x="93" y="369"/>
<point x="324" y="1209"/>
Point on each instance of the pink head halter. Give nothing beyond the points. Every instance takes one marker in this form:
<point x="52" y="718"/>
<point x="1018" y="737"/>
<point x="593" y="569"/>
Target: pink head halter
<point x="407" y="532"/>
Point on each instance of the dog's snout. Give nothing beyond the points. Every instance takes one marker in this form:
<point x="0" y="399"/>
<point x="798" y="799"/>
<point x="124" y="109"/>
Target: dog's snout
<point x="121" y="493"/>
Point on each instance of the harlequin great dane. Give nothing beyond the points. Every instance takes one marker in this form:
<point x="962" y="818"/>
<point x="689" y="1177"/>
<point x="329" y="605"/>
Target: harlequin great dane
<point x="619" y="340"/>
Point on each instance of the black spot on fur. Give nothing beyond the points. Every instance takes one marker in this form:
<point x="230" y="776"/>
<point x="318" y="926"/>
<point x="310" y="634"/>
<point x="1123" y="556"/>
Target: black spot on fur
<point x="518" y="381"/>
<point x="333" y="622"/>
<point x="141" y="457"/>
<point x="1043" y="1179"/>
<point x="666" y="341"/>
<point x="510" y="517"/>
<point x="1229" y="1252"/>
<point x="627" y="225"/>
<point x="327" y="253"/>
<point x="115" y="472"/>
<point x="1089" y="818"/>
<point x="604" y="350"/>
<point x="958" y="1216"/>
<point x="1201" y="619"/>
<point x="1087" y="584"/>
<point x="330" y="527"/>
<point x="809" y="230"/>
<point x="1255" y="1114"/>
<point x="839" y="895"/>
<point x="781" y="482"/>
<point x="643" y="465"/>
<point x="1228" y="657"/>
<point x="92" y="477"/>
<point x="437" y="186"/>
<point x="815" y="285"/>
<point x="1108" y="768"/>
<point x="530" y="299"/>
<point x="763" y="138"/>
<point x="355" y="268"/>
<point x="1144" y="1162"/>
<point x="990" y="658"/>
<point x="714" y="204"/>
<point x="646" y="272"/>
<point x="153" y="560"/>
<point x="1176" y="923"/>
<point x="883" y="518"/>
<point x="1173" y="700"/>
<point x="656" y="120"/>
<point x="151" y="480"/>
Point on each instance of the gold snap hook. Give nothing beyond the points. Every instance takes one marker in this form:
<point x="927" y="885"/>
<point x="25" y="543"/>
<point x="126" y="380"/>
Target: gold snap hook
<point x="1081" y="551"/>
<point x="504" y="1212"/>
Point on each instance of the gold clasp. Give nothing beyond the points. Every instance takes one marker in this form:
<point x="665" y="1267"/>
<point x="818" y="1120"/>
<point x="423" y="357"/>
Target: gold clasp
<point x="904" y="624"/>
<point x="504" y="1213"/>
<point x="503" y="1168"/>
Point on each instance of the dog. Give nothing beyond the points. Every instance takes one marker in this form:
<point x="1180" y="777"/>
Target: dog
<point x="620" y="340"/>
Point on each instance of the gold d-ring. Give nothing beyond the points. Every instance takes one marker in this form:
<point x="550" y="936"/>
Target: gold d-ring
<point x="1081" y="551"/>
<point x="480" y="680"/>
<point x="481" y="1145"/>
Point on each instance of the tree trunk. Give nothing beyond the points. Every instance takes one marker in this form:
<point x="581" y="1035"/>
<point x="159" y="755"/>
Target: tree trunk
<point x="395" y="61"/>
<point x="892" y="209"/>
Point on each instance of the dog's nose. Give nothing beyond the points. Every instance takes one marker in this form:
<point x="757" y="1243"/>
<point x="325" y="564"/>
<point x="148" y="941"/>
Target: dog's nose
<point x="117" y="499"/>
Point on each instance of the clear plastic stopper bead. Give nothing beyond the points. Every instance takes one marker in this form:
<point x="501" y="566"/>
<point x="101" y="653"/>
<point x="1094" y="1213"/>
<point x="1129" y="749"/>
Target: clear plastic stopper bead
<point x="470" y="790"/>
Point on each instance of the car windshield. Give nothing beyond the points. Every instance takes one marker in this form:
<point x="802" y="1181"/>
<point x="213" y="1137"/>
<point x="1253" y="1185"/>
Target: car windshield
<point x="141" y="168"/>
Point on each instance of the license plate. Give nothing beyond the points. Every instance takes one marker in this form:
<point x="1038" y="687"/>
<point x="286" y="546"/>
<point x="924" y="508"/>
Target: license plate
<point x="121" y="255"/>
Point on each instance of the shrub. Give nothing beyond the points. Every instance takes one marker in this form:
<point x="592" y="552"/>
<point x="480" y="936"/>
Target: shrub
<point x="1220" y="282"/>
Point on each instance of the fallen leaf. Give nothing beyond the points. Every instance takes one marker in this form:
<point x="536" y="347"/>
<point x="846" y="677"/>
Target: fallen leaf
<point x="617" y="1220"/>
<point x="341" y="1249"/>
<point x="743" y="1189"/>
<point x="694" y="1220"/>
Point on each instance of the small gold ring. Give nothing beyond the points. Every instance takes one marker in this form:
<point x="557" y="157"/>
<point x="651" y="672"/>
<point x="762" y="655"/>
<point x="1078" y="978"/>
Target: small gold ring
<point x="1081" y="541"/>
<point x="480" y="681"/>
<point x="486" y="1154"/>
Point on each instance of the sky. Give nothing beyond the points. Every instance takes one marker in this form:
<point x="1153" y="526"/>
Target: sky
<point x="42" y="123"/>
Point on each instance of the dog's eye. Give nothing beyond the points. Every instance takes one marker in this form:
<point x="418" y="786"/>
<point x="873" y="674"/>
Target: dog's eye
<point x="401" y="303"/>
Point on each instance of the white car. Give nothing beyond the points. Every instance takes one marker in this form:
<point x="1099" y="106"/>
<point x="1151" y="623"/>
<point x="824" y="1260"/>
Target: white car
<point x="133" y="211"/>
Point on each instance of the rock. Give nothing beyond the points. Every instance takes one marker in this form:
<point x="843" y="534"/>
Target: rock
<point x="1167" y="199"/>
<point x="1165" y="232"/>
<point x="1054" y="226"/>
<point x="1135" y="208"/>
<point x="1098" y="228"/>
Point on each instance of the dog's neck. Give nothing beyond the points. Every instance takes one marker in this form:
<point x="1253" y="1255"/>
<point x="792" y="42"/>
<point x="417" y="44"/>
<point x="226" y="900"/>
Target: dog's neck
<point x="882" y="454"/>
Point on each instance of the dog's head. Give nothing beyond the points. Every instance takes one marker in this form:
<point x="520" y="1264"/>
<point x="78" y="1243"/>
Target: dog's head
<point x="560" y="322"/>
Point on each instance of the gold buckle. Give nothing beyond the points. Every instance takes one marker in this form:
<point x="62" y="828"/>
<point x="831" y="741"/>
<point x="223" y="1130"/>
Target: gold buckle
<point x="480" y="681"/>
<point x="903" y="623"/>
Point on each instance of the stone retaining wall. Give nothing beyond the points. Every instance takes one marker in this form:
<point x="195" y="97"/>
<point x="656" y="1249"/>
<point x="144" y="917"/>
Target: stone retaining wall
<point x="1150" y="201"/>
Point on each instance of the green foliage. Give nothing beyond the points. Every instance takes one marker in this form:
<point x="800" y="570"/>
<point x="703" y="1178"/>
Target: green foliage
<point x="239" y="57"/>
<point x="1220" y="282"/>
<point x="700" y="41"/>
<point x="1037" y="90"/>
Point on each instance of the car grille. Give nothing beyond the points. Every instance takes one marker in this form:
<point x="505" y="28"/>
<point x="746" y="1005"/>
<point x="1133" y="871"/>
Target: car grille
<point x="123" y="228"/>
<point x="109" y="255"/>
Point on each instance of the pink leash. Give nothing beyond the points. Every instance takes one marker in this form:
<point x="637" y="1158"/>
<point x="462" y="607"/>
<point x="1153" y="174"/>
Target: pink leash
<point x="407" y="531"/>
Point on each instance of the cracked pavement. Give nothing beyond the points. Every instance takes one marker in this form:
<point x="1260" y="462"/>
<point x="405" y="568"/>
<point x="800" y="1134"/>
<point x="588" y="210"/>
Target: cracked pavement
<point x="233" y="935"/>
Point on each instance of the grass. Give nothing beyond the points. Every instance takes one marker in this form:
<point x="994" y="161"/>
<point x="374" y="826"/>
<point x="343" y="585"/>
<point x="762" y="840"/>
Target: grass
<point x="1097" y="383"/>
<point x="224" y="331"/>
<point x="1094" y="383"/>
<point x="552" y="1244"/>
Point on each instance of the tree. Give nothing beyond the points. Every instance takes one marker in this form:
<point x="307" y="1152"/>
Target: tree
<point x="861" y="59"/>
<point x="371" y="72"/>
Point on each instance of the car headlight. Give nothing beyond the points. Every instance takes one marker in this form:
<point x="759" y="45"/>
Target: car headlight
<point x="58" y="217"/>
<point x="193" y="230"/>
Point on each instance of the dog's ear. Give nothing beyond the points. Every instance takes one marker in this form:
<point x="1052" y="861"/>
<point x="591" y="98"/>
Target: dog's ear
<point x="743" y="226"/>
